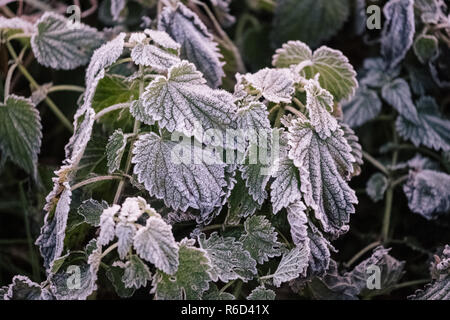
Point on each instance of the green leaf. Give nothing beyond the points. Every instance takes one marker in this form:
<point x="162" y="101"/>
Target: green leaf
<point x="151" y="56"/>
<point x="156" y="244"/>
<point x="182" y="102"/>
<point x="115" y="149"/>
<point x="324" y="165"/>
<point x="398" y="95"/>
<point x="261" y="293"/>
<point x="432" y="130"/>
<point x="336" y="74"/>
<point x="214" y="294"/>
<point x="62" y="44"/>
<point x="229" y="260"/>
<point x="136" y="273"/>
<point x="191" y="279"/>
<point x="425" y="47"/>
<point x="91" y="210"/>
<point x="197" y="43"/>
<point x="20" y="132"/>
<point x="285" y="189"/>
<point x="292" y="264"/>
<point x="364" y="106"/>
<point x="376" y="186"/>
<point x="240" y="202"/>
<point x="167" y="171"/>
<point x="260" y="239"/>
<point x="115" y="274"/>
<point x="22" y="288"/>
<point x="311" y="21"/>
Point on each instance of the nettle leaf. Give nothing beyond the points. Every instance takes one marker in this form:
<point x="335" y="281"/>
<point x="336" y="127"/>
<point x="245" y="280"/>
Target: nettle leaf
<point x="430" y="10"/>
<point x="156" y="244"/>
<point x="151" y="56"/>
<point x="20" y="132"/>
<point x="116" y="8"/>
<point x="191" y="279"/>
<point x="398" y="94"/>
<point x="376" y="186"/>
<point x="229" y="260"/>
<point x="162" y="39"/>
<point x="285" y="189"/>
<point x="376" y="73"/>
<point x="324" y="165"/>
<point x="425" y="47"/>
<point x="427" y="193"/>
<point x="214" y="294"/>
<point x="363" y="107"/>
<point x="260" y="239"/>
<point x="320" y="255"/>
<point x="168" y="172"/>
<point x="292" y="264"/>
<point x="261" y="293"/>
<point x="357" y="153"/>
<point x="136" y="273"/>
<point x="311" y="21"/>
<point x="115" y="274"/>
<point x="17" y="23"/>
<point x="276" y="85"/>
<point x="336" y="74"/>
<point x="125" y="232"/>
<point x="182" y="101"/>
<point x="398" y="30"/>
<point x="91" y="210"/>
<point x="437" y="290"/>
<point x="298" y="221"/>
<point x="319" y="103"/>
<point x="108" y="225"/>
<point x="197" y="43"/>
<point x="62" y="44"/>
<point x="240" y="202"/>
<point x="115" y="149"/>
<point x="22" y="288"/>
<point x="432" y="130"/>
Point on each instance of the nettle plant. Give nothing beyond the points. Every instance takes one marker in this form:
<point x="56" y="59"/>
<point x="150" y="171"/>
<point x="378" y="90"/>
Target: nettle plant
<point x="197" y="190"/>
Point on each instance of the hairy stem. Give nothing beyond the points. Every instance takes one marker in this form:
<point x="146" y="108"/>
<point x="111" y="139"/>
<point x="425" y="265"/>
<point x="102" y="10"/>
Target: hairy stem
<point x="375" y="163"/>
<point x="361" y="253"/>
<point x="110" y="109"/>
<point x="94" y="180"/>
<point x="66" y="87"/>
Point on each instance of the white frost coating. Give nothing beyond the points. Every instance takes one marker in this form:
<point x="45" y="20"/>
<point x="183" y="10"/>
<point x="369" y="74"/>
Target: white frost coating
<point x="276" y="85"/>
<point x="364" y="106"/>
<point x="58" y="45"/>
<point x="125" y="233"/>
<point x="17" y="23"/>
<point x="162" y="39"/>
<point x="182" y="102"/>
<point x="151" y="56"/>
<point x="285" y="189"/>
<point x="107" y="225"/>
<point x="319" y="103"/>
<point x="156" y="244"/>
<point x="291" y="53"/>
<point x="198" y="45"/>
<point x="299" y="223"/>
<point x="116" y="7"/>
<point x="137" y="37"/>
<point x="167" y="176"/>
<point x="324" y="165"/>
<point x="292" y="264"/>
<point x="398" y="95"/>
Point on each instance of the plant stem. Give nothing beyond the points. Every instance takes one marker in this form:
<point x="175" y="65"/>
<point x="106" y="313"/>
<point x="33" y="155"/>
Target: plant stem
<point x="410" y="283"/>
<point x="95" y="179"/>
<point x="375" y="163"/>
<point x="110" y="109"/>
<point x="34" y="84"/>
<point x="294" y="111"/>
<point x="399" y="181"/>
<point x="109" y="249"/>
<point x="66" y="87"/>
<point x="278" y="118"/>
<point x="361" y="253"/>
<point x="387" y="214"/>
<point x="226" y="286"/>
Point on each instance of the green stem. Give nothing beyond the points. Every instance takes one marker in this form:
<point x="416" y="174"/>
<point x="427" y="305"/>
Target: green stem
<point x="34" y="84"/>
<point x="362" y="252"/>
<point x="410" y="283"/>
<point x="375" y="163"/>
<point x="226" y="286"/>
<point x="110" y="248"/>
<point x="110" y="109"/>
<point x="278" y="118"/>
<point x="387" y="214"/>
<point x="95" y="179"/>
<point x="66" y="87"/>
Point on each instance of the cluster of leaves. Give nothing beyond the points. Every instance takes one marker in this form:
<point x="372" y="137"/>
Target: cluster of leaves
<point x="130" y="207"/>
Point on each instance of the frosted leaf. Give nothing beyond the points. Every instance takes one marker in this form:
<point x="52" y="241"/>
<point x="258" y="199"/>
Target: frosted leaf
<point x="191" y="279"/>
<point x="427" y="193"/>
<point x="136" y="273"/>
<point x="260" y="239"/>
<point x="319" y="247"/>
<point x="156" y="244"/>
<point x="60" y="45"/>
<point x="285" y="189"/>
<point x="240" y="203"/>
<point x="292" y="265"/>
<point x="253" y="116"/>
<point x="229" y="260"/>
<point x="151" y="56"/>
<point x="222" y="12"/>
<point x="107" y="225"/>
<point x="261" y="293"/>
<point x="91" y="210"/>
<point x="437" y="290"/>
<point x="214" y="294"/>
<point x="51" y="239"/>
<point x="22" y="288"/>
<point x="353" y="141"/>
<point x="17" y="23"/>
<point x="161" y="166"/>
<point x="20" y="132"/>
<point x="311" y="21"/>
<point x="425" y="47"/>
<point x="115" y="274"/>
<point x="115" y="149"/>
<point x="276" y="85"/>
<point x="125" y="233"/>
<point x="116" y="8"/>
<point x="336" y="74"/>
<point x="323" y="167"/>
<point x="162" y="39"/>
<point x="137" y="37"/>
<point x="376" y="186"/>
<point x="430" y="10"/>
<point x="398" y="95"/>
<point x="398" y="30"/>
<point x="319" y="103"/>
<point x="433" y="130"/>
<point x="298" y="222"/>
<point x="363" y="107"/>
<point x="197" y="43"/>
<point x="133" y="208"/>
<point x="182" y="101"/>
<point x="375" y="73"/>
